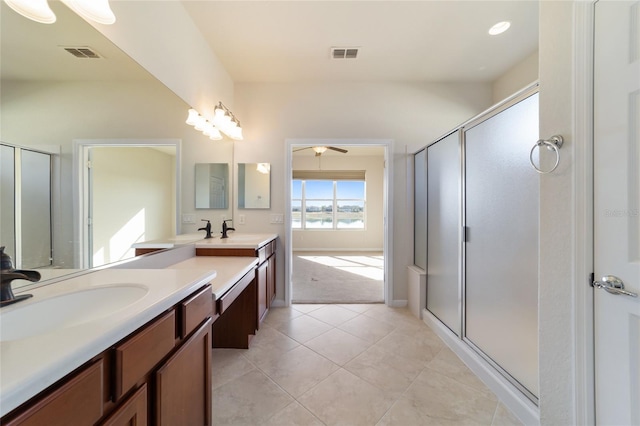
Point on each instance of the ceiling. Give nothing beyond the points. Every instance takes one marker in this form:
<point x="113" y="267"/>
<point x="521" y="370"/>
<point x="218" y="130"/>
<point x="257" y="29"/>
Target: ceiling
<point x="290" y="41"/>
<point x="401" y="41"/>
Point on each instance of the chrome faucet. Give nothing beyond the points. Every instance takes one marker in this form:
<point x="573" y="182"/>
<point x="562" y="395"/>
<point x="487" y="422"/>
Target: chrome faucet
<point x="226" y="228"/>
<point x="8" y="274"/>
<point x="207" y="228"/>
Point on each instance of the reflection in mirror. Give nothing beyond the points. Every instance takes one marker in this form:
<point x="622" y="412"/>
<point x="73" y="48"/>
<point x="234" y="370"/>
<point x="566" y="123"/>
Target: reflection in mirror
<point x="212" y="183"/>
<point x="50" y="98"/>
<point x="26" y="206"/>
<point x="254" y="185"/>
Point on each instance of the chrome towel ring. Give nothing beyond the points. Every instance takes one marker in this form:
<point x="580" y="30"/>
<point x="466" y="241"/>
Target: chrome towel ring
<point x="554" y="144"/>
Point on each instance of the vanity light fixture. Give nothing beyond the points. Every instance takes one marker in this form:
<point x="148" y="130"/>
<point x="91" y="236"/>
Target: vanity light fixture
<point x="499" y="28"/>
<point x="36" y="10"/>
<point x="192" y="119"/>
<point x="95" y="10"/>
<point x="263" y="168"/>
<point x="227" y="123"/>
<point x="202" y="124"/>
<point x="39" y="10"/>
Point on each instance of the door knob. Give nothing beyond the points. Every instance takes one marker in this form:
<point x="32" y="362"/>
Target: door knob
<point x="613" y="285"/>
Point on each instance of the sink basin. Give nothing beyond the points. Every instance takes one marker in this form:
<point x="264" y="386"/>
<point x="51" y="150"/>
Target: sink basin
<point x="66" y="310"/>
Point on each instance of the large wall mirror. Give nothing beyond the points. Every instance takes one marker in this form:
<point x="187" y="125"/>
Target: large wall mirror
<point x="50" y="97"/>
<point x="254" y="185"/>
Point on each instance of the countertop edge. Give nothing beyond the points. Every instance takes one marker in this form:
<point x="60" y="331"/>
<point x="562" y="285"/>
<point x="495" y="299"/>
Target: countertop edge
<point x="41" y="378"/>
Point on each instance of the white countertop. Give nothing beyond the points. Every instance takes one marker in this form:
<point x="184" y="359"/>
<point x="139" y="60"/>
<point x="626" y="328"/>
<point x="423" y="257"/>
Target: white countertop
<point x="31" y="364"/>
<point x="235" y="240"/>
<point x="229" y="269"/>
<point x="239" y="240"/>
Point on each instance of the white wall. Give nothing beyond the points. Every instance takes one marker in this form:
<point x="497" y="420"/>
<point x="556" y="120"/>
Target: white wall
<point x="410" y="114"/>
<point x="518" y="77"/>
<point x="370" y="238"/>
<point x="171" y="48"/>
<point x="559" y="217"/>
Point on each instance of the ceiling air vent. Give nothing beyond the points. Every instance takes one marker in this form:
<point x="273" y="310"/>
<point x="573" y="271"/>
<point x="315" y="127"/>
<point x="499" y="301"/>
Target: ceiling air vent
<point x="84" y="52"/>
<point x="344" y="52"/>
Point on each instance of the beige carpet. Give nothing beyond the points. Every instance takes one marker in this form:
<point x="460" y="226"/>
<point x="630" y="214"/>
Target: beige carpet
<point x="344" y="277"/>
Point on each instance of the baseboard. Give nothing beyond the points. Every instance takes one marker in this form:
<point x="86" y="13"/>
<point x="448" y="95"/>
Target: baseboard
<point x="399" y="303"/>
<point x="278" y="303"/>
<point x="520" y="405"/>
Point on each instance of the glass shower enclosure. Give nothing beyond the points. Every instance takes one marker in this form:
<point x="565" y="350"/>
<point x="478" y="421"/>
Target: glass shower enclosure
<point x="482" y="202"/>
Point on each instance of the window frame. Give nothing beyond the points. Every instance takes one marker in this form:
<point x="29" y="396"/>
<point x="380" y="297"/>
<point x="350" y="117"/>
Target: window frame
<point x="334" y="202"/>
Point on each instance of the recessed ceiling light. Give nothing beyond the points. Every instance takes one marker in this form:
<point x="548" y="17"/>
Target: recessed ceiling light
<point x="499" y="28"/>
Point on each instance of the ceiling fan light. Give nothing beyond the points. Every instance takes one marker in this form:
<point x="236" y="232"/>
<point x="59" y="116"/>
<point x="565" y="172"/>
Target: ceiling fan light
<point x="36" y="10"/>
<point x="319" y="149"/>
<point x="95" y="10"/>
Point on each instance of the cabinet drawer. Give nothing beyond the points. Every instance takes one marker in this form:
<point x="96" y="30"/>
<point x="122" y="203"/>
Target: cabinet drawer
<point x="227" y="299"/>
<point x="136" y="356"/>
<point x="131" y="412"/>
<point x="78" y="401"/>
<point x="194" y="310"/>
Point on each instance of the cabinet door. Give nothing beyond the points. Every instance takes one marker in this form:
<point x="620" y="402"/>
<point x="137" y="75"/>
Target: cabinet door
<point x="271" y="280"/>
<point x="133" y="412"/>
<point x="262" y="290"/>
<point x="183" y="391"/>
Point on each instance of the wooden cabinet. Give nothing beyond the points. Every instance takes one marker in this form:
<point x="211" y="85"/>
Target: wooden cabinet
<point x="238" y="319"/>
<point x="132" y="412"/>
<point x="183" y="383"/>
<point x="160" y="375"/>
<point x="75" y="401"/>
<point x="265" y="275"/>
<point x="263" y="303"/>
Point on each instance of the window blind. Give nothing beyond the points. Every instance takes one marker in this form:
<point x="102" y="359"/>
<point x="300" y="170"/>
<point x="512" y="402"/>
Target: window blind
<point x="329" y="174"/>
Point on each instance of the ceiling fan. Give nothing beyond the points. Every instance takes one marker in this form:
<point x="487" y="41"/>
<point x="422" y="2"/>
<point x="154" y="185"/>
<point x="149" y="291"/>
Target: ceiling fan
<point x="319" y="150"/>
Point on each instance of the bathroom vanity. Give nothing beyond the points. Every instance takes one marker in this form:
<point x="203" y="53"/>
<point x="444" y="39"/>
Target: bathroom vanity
<point x="123" y="346"/>
<point x="145" y="359"/>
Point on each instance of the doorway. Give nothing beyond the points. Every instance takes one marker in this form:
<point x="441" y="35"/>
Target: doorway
<point x="127" y="193"/>
<point x="338" y="221"/>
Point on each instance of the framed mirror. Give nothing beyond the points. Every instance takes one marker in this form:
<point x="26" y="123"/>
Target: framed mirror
<point x="212" y="185"/>
<point x="254" y="185"/>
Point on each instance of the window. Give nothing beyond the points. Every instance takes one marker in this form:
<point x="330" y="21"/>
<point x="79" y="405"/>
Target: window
<point x="328" y="204"/>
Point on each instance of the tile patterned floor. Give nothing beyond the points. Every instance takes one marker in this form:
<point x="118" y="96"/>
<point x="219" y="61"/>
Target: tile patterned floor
<point x="348" y="365"/>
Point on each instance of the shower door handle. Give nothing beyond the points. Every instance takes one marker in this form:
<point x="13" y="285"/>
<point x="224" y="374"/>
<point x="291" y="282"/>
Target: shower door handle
<point x="613" y="285"/>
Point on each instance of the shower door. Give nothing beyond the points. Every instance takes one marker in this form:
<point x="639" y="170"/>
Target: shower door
<point x="443" y="231"/>
<point x="501" y="248"/>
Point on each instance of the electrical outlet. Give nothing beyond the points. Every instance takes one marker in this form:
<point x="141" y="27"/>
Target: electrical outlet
<point x="241" y="219"/>
<point x="277" y="218"/>
<point x="189" y="218"/>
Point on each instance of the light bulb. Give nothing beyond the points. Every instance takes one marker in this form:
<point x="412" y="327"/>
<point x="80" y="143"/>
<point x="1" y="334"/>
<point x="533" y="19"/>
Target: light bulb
<point x="192" y="119"/>
<point x="36" y="10"/>
<point x="499" y="28"/>
<point x="95" y="10"/>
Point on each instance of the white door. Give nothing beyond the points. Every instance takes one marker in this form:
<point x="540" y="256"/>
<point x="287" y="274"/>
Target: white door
<point x="617" y="211"/>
